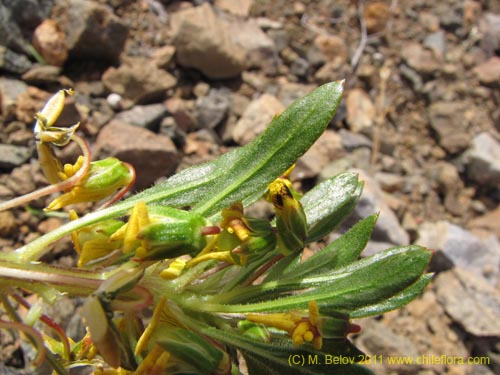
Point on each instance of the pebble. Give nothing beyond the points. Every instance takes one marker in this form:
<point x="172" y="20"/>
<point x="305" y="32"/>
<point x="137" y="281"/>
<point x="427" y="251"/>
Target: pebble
<point x="210" y="110"/>
<point x="489" y="222"/>
<point x="12" y="156"/>
<point x="21" y="180"/>
<point x="327" y="148"/>
<point x="13" y="62"/>
<point x="333" y="48"/>
<point x="46" y="74"/>
<point x="447" y="119"/>
<point x="183" y="113"/>
<point x="92" y="30"/>
<point x="376" y="16"/>
<point x="8" y="224"/>
<point x="360" y="111"/>
<point x="378" y="339"/>
<point x="388" y="228"/>
<point x="237" y="7"/>
<point x="461" y="247"/>
<point x="153" y="156"/>
<point x="259" y="49"/>
<point x="164" y="56"/>
<point x="357" y="158"/>
<point x="436" y="42"/>
<point x="203" y="42"/>
<point x="114" y="100"/>
<point x="470" y="301"/>
<point x="488" y="72"/>
<point x="483" y="161"/>
<point x="50" y="42"/>
<point x="419" y="58"/>
<point x="489" y="26"/>
<point x="138" y="80"/>
<point x="10" y="90"/>
<point x="351" y="141"/>
<point x="256" y="118"/>
<point x="144" y="116"/>
<point x="291" y="91"/>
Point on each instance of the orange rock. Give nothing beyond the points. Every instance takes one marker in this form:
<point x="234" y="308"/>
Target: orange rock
<point x="50" y="42"/>
<point x="376" y="16"/>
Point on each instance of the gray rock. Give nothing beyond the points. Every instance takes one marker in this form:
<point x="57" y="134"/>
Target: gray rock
<point x="21" y="180"/>
<point x="18" y="17"/>
<point x="352" y="141"/>
<point x="436" y="42"/>
<point x="92" y="30"/>
<point x="203" y="42"/>
<point x="489" y="26"/>
<point x="13" y="62"/>
<point x="357" y="158"/>
<point x="461" y="248"/>
<point x="379" y="339"/>
<point x="211" y="109"/>
<point x="145" y="116"/>
<point x="10" y="90"/>
<point x="388" y="228"/>
<point x="44" y="74"/>
<point x="138" y="80"/>
<point x="13" y="156"/>
<point x="257" y="116"/>
<point x="291" y="91"/>
<point x="447" y="119"/>
<point x="300" y="67"/>
<point x="483" y="161"/>
<point x="260" y="50"/>
<point x="470" y="301"/>
<point x="153" y="156"/>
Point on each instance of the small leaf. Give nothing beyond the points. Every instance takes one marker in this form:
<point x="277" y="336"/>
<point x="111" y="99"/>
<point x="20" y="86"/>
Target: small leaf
<point x="329" y="203"/>
<point x="366" y="282"/>
<point x="287" y="138"/>
<point x="340" y="252"/>
<point x="281" y="356"/>
<point x="396" y="301"/>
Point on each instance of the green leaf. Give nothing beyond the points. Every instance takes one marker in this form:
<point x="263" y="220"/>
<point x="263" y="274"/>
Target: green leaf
<point x="366" y="282"/>
<point x="344" y="250"/>
<point x="329" y="203"/>
<point x="396" y="301"/>
<point x="191" y="348"/>
<point x="281" y="356"/>
<point x="287" y="138"/>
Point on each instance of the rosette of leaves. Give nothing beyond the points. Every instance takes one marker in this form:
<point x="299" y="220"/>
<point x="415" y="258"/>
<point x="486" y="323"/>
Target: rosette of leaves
<point x="201" y="322"/>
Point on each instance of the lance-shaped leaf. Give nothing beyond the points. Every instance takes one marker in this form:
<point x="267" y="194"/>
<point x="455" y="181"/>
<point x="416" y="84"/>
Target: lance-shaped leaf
<point x="329" y="203"/>
<point x="287" y="138"/>
<point x="280" y="356"/>
<point x="366" y="282"/>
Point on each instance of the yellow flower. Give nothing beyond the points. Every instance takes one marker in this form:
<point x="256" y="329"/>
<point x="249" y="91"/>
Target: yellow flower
<point x="301" y="329"/>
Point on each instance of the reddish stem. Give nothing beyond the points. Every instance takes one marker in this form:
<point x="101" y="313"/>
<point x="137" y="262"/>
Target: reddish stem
<point x="49" y="322"/>
<point x="61" y="186"/>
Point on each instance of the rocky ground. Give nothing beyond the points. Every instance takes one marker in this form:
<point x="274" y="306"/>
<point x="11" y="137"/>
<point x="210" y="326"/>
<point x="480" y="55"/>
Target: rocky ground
<point x="167" y="84"/>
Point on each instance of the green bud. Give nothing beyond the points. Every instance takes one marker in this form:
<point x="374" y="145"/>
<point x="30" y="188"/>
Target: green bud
<point x="172" y="233"/>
